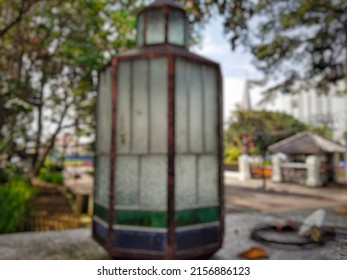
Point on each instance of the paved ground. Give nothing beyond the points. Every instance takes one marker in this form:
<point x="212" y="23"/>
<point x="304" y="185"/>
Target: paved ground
<point x="78" y="244"/>
<point x="245" y="199"/>
<point x="250" y="206"/>
<point x="250" y="195"/>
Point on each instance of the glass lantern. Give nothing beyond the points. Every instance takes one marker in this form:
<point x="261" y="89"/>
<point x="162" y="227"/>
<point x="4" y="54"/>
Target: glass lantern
<point x="158" y="178"/>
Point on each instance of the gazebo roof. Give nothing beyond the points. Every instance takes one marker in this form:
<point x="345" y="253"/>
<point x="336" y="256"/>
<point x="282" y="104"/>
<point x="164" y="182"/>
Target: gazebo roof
<point x="306" y="143"/>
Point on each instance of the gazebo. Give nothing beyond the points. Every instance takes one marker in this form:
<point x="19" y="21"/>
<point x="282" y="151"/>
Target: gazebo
<point x="307" y="145"/>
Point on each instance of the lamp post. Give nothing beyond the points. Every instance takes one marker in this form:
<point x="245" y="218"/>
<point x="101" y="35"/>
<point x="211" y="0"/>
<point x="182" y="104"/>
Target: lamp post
<point x="159" y="178"/>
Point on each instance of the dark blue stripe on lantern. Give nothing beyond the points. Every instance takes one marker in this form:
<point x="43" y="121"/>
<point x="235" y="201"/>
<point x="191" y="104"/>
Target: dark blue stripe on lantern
<point x="140" y="240"/>
<point x="132" y="239"/>
<point x="100" y="231"/>
<point x="194" y="238"/>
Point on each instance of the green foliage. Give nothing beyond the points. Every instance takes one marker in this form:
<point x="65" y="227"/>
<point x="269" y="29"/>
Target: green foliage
<point x="264" y="129"/>
<point x="15" y="204"/>
<point x="51" y="175"/>
<point x="4" y="176"/>
<point x="231" y="153"/>
<point x="297" y="43"/>
<point x="62" y="44"/>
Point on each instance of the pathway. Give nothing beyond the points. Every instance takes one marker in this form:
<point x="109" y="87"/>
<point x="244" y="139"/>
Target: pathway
<point x="52" y="210"/>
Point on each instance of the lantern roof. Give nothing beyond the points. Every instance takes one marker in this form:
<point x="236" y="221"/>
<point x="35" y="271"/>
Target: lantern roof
<point x="163" y="22"/>
<point x="160" y="50"/>
<point x="164" y="3"/>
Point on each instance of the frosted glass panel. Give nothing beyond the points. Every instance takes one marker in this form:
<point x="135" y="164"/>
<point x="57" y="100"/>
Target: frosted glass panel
<point x="210" y="110"/>
<point x="185" y="181"/>
<point x="208" y="180"/>
<point x="187" y="34"/>
<point x="176" y="27"/>
<point x="102" y="179"/>
<point x="127" y="180"/>
<point x="104" y="111"/>
<point x="123" y="108"/>
<point x="154" y="182"/>
<point x="155" y="27"/>
<point x="158" y="105"/>
<point x="181" y="107"/>
<point x="196" y="116"/>
<point x="140" y="107"/>
<point x="140" y="31"/>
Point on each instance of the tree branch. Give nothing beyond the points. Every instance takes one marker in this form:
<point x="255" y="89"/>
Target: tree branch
<point x="26" y="5"/>
<point x="51" y="141"/>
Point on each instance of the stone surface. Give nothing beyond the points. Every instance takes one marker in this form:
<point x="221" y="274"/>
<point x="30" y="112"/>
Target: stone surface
<point x="51" y="245"/>
<point x="78" y="244"/>
<point x="337" y="252"/>
<point x="239" y="227"/>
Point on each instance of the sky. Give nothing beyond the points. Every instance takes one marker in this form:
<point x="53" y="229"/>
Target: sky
<point x="236" y="65"/>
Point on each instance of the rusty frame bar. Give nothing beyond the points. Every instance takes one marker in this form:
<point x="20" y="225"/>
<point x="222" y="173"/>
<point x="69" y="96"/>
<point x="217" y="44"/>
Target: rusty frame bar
<point x="171" y="159"/>
<point x="126" y="254"/>
<point x="220" y="154"/>
<point x="163" y="50"/>
<point x="110" y="234"/>
<point x="96" y="153"/>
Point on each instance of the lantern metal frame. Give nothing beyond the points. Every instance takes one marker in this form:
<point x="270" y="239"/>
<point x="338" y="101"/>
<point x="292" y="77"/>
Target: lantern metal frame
<point x="171" y="52"/>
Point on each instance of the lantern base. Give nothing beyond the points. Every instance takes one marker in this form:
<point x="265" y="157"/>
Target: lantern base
<point x="140" y="243"/>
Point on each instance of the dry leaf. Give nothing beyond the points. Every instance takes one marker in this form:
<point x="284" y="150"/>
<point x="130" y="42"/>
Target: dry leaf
<point x="341" y="211"/>
<point x="254" y="253"/>
<point x="315" y="234"/>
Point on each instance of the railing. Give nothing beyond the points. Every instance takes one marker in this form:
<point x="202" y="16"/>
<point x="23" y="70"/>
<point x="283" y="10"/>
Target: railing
<point x="294" y="172"/>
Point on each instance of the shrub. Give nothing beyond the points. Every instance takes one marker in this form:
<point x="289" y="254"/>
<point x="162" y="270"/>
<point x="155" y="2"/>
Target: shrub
<point x="47" y="175"/>
<point x="15" y="204"/>
<point x="231" y="153"/>
<point x="3" y="176"/>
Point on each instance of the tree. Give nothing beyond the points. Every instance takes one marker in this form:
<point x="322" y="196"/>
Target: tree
<point x="49" y="62"/>
<point x="49" y="57"/>
<point x="263" y="128"/>
<point x="298" y="44"/>
<point x="12" y="13"/>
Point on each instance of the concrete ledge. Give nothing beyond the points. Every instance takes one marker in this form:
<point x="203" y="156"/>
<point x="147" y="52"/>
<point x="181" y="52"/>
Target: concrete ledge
<point x="338" y="252"/>
<point x="74" y="244"/>
<point x="79" y="245"/>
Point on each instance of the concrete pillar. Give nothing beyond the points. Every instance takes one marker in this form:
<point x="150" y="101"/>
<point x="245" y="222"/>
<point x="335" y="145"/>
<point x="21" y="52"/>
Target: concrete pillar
<point x="244" y="167"/>
<point x="313" y="177"/>
<point x="276" y="173"/>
